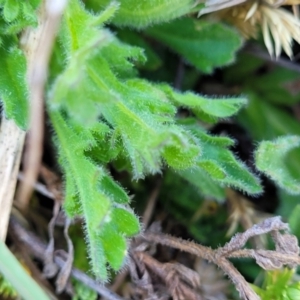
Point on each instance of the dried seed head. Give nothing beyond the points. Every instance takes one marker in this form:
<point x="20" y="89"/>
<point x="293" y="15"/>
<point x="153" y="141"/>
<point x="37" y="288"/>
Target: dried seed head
<point x="279" y="27"/>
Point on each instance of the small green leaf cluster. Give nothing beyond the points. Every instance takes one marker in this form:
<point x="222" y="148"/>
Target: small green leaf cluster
<point x="6" y="289"/>
<point x="269" y="159"/>
<point x="16" y="15"/>
<point x="82" y="292"/>
<point x="104" y="114"/>
<point x="279" y="285"/>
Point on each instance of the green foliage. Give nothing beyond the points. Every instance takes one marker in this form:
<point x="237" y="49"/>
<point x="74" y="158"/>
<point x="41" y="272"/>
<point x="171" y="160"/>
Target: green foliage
<point x="269" y="159"/>
<point x="13" y="90"/>
<point x="272" y="93"/>
<point x="204" y="44"/>
<point x="204" y="108"/>
<point x="13" y="271"/>
<point x="278" y="285"/>
<point x="144" y="13"/>
<point x="220" y="163"/>
<point x="17" y="15"/>
<point x="106" y="238"/>
<point x="14" y="17"/>
<point x="106" y="116"/>
<point x="111" y="114"/>
<point x="82" y="292"/>
<point x="6" y="289"/>
<point x="294" y="221"/>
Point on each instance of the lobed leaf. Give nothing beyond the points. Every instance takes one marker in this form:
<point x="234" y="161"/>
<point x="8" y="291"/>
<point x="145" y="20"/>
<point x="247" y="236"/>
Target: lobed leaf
<point x="269" y="160"/>
<point x="136" y="39"/>
<point x="219" y="108"/>
<point x="106" y="240"/>
<point x="220" y="163"/>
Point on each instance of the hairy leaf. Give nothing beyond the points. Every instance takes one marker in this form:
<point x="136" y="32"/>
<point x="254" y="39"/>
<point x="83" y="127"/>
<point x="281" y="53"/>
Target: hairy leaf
<point x="144" y="13"/>
<point x="93" y="201"/>
<point x="205" y="184"/>
<point x="269" y="159"/>
<point x="125" y="221"/>
<point x="220" y="163"/>
<point x="11" y="10"/>
<point x="13" y="88"/>
<point x="219" y="108"/>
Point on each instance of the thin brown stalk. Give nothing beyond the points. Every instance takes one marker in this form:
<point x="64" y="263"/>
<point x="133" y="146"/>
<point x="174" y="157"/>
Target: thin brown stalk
<point x="209" y="254"/>
<point x="151" y="204"/>
<point x="37" y="45"/>
<point x="281" y="257"/>
<point x="286" y="251"/>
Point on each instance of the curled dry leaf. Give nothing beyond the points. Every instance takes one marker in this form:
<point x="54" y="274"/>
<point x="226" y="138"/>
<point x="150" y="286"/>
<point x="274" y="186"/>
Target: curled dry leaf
<point x="50" y="268"/>
<point x="65" y="272"/>
<point x="240" y="239"/>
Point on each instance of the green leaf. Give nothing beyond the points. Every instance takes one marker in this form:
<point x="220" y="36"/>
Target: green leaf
<point x="205" y="184"/>
<point x="144" y="13"/>
<point x="294" y="221"/>
<point x="270" y="123"/>
<point x="121" y="62"/>
<point x="95" y="206"/>
<point x="91" y="193"/>
<point x="18" y="277"/>
<point x="136" y="39"/>
<point x="269" y="160"/>
<point x="205" y="45"/>
<point x="293" y="291"/>
<point x="125" y="221"/>
<point x="219" y="108"/>
<point x="13" y="88"/>
<point x="27" y="17"/>
<point x="115" y="191"/>
<point x="220" y="163"/>
<point x="71" y="202"/>
<point x="35" y="3"/>
<point x="11" y="10"/>
<point x="82" y="291"/>
<point x="114" y="245"/>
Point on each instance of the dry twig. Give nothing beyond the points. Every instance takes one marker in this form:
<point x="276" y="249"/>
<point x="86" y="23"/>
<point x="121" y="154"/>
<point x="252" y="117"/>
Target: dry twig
<point x="286" y="252"/>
